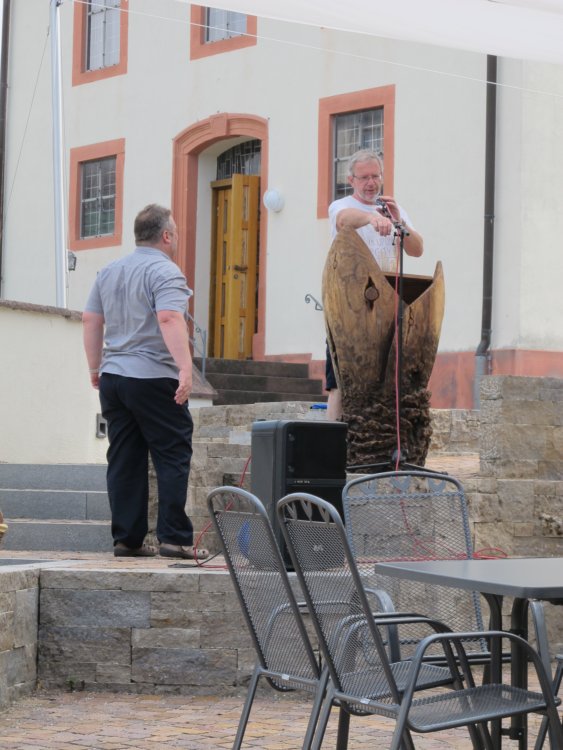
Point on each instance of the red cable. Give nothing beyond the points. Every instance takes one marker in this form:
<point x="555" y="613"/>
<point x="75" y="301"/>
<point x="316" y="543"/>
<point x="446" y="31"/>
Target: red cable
<point x="397" y="374"/>
<point x="202" y="563"/>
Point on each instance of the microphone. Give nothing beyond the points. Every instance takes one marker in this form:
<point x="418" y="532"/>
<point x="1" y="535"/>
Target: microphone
<point x="384" y="209"/>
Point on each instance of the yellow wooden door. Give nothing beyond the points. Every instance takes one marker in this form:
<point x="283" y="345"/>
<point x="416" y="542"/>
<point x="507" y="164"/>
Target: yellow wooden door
<point x="236" y="203"/>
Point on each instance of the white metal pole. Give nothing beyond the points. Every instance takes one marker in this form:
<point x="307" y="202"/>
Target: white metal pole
<point x="61" y="263"/>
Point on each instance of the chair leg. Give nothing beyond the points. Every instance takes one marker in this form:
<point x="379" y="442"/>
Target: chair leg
<point x="243" y="721"/>
<point x="323" y="721"/>
<point x="316" y="710"/>
<point x="542" y="734"/>
<point x="343" y="729"/>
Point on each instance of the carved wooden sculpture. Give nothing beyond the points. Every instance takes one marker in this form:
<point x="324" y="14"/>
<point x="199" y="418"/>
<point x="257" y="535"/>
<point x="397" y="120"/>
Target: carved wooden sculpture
<point x="360" y="306"/>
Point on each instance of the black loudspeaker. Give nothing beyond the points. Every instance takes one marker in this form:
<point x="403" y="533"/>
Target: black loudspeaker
<point x="297" y="456"/>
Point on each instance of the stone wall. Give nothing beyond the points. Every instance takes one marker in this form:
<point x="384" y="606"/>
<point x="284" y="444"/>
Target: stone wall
<point x="142" y="631"/>
<point x="19" y="598"/>
<point x="516" y="502"/>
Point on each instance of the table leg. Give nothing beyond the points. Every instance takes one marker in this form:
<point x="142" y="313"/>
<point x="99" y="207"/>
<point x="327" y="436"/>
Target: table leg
<point x="493" y="673"/>
<point x="519" y="669"/>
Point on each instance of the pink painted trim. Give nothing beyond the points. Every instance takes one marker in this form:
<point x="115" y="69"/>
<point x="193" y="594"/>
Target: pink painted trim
<point x="187" y="147"/>
<point x="383" y="96"/>
<point x="77" y="157"/>
<point x="79" y="74"/>
<point x="200" y="48"/>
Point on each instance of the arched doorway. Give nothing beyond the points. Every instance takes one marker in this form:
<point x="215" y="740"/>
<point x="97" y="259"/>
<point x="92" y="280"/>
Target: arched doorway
<point x="188" y="146"/>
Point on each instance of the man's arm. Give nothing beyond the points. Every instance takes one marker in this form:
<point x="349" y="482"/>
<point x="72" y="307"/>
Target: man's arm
<point x="175" y="334"/>
<point x="355" y="218"/>
<point x="93" y="337"/>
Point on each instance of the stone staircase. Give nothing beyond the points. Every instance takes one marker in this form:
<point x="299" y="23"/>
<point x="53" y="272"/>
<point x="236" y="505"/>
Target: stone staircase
<point x="65" y="507"/>
<point x="55" y="507"/>
<point x="248" y="382"/>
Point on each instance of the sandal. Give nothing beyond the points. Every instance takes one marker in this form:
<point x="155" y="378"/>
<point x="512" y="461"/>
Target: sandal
<point x="145" y="550"/>
<point x="186" y="553"/>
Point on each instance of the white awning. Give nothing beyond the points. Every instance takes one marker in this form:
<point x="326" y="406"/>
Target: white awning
<point x="528" y="29"/>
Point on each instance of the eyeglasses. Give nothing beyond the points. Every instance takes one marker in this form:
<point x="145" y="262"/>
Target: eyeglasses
<point x="368" y="177"/>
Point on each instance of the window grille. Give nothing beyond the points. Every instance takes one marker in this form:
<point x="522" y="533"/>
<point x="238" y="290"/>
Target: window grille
<point x="97" y="197"/>
<point x="223" y="24"/>
<point x="354" y="131"/>
<point x="244" y="158"/>
<point x="103" y="30"/>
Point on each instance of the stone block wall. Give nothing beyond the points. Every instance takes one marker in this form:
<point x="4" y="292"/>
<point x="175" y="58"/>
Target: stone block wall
<point x="19" y="602"/>
<point x="516" y="502"/>
<point x="142" y="631"/>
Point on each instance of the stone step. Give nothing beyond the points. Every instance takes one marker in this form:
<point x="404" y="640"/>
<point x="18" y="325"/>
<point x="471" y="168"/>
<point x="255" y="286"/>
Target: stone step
<point x="55" y="504"/>
<point x="227" y="397"/>
<point x="265" y="383"/>
<point x="252" y="367"/>
<point x="53" y="476"/>
<point x="56" y="535"/>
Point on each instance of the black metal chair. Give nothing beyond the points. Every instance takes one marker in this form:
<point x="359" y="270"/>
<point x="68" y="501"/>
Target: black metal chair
<point x="285" y="656"/>
<point x="354" y="642"/>
<point x="413" y="515"/>
<point x="538" y="619"/>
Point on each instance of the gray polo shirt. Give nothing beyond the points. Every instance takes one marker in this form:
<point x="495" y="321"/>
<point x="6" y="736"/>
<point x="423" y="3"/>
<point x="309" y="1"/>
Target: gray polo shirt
<point x="128" y="293"/>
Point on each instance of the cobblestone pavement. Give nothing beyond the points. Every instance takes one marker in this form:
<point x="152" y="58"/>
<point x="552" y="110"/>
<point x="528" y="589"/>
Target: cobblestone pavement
<point x="76" y="721"/>
<point x="104" y="721"/>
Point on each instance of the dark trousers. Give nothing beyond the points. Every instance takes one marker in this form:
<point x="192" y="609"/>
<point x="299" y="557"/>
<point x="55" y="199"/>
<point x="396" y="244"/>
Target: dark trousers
<point x="143" y="417"/>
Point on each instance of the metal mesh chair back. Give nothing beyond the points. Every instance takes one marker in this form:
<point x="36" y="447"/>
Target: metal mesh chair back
<point x="409" y="515"/>
<point x="353" y="646"/>
<point x="263" y="588"/>
<point x="364" y="678"/>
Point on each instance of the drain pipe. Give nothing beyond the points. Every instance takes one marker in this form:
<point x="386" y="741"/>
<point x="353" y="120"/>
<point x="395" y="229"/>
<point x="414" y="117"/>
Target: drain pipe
<point x="483" y="355"/>
<point x="3" y="119"/>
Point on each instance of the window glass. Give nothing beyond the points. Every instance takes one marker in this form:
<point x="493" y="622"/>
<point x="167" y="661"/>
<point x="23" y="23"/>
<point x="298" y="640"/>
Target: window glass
<point x="241" y="159"/>
<point x="354" y="131"/>
<point x="223" y="24"/>
<point x="97" y="202"/>
<point x="102" y="48"/>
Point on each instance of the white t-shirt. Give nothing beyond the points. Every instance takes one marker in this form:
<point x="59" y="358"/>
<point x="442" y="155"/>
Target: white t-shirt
<point x="383" y="249"/>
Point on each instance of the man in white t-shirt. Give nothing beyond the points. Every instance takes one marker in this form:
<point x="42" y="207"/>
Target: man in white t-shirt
<point x="374" y="217"/>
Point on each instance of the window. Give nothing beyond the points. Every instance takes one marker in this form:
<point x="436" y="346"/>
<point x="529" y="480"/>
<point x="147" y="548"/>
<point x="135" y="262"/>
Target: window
<point x="102" y="34"/>
<point x="100" y="40"/>
<point x="223" y="24"/>
<point x="348" y="122"/>
<point x="352" y="132"/>
<point x="96" y="195"/>
<point x="214" y="31"/>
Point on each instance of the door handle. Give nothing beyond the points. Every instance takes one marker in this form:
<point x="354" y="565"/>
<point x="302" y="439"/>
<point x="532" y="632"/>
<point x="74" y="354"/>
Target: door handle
<point x="242" y="269"/>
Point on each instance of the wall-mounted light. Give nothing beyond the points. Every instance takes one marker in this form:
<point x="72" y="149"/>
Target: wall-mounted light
<point x="273" y="200"/>
<point x="71" y="260"/>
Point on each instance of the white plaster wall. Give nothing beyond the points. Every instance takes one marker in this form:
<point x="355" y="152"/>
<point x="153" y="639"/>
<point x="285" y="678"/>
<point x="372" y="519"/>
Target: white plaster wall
<point x="439" y="163"/>
<point x="48" y="405"/>
<point x="528" y="305"/>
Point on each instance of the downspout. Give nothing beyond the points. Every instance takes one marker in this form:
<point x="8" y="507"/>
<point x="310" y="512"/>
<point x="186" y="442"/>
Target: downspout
<point x="482" y="355"/>
<point x="3" y="119"/>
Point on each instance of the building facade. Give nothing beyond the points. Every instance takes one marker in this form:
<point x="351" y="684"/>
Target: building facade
<point x="207" y="111"/>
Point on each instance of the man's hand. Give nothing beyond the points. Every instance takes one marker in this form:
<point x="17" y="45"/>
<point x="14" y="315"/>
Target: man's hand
<point x="381" y="224"/>
<point x="184" y="386"/>
<point x="392" y="207"/>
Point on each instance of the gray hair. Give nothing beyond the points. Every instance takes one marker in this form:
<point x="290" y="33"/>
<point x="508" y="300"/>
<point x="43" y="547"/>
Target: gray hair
<point x="362" y="156"/>
<point x="151" y="222"/>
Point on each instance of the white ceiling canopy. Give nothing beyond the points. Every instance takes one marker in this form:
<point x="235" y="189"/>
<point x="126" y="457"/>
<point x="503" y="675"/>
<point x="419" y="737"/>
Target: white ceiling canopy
<point x="528" y="29"/>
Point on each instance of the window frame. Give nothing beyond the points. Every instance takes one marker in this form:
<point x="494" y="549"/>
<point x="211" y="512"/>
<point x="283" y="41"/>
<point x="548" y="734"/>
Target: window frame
<point x="78" y="156"/>
<point x="382" y="97"/>
<point x="200" y="48"/>
<point x="79" y="46"/>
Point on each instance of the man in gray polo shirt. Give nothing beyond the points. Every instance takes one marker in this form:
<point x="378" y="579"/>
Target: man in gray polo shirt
<point x="137" y="347"/>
